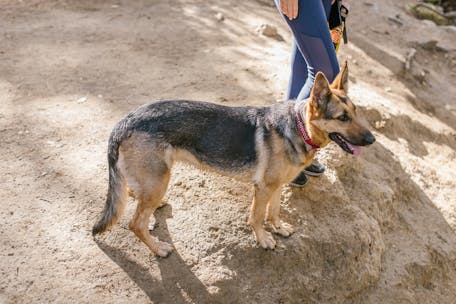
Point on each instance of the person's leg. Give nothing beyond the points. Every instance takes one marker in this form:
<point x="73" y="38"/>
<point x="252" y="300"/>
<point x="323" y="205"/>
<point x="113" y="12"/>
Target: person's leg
<point x="320" y="56"/>
<point x="312" y="51"/>
<point x="311" y="33"/>
<point x="299" y="72"/>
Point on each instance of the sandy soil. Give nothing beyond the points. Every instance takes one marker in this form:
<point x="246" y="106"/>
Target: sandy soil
<point x="375" y="229"/>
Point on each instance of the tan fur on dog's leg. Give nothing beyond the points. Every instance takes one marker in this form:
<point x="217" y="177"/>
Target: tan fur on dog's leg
<point x="273" y="217"/>
<point x="149" y="200"/>
<point x="257" y="213"/>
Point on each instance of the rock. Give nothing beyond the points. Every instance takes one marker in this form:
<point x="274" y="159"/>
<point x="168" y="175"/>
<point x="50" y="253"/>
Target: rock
<point x="434" y="45"/>
<point x="428" y="23"/>
<point x="219" y="16"/>
<point x="429" y="45"/>
<point x="82" y="99"/>
<point x="269" y="31"/>
<point x="380" y="124"/>
<point x="449" y="28"/>
<point x="448" y="5"/>
<point x="429" y="12"/>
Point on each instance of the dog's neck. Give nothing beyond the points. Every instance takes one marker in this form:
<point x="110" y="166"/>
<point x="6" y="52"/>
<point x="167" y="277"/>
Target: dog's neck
<point x="317" y="137"/>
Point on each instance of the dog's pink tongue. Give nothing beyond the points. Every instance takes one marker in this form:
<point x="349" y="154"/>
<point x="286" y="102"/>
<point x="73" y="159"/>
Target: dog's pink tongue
<point x="356" y="150"/>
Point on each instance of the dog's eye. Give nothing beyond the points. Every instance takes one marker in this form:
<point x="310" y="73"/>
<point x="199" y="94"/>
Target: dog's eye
<point x="343" y="117"/>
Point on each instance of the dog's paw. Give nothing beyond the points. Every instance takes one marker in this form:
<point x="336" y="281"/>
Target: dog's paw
<point x="265" y="239"/>
<point x="284" y="229"/>
<point x="163" y="249"/>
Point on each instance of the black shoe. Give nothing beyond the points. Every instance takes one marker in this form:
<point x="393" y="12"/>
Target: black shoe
<point x="314" y="170"/>
<point x="299" y="181"/>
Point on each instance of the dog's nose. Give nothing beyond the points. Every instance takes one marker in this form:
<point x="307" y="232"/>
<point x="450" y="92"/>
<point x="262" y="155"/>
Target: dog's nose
<point x="369" y="139"/>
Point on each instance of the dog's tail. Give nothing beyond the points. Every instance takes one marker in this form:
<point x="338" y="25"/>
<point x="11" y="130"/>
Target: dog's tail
<point x="117" y="190"/>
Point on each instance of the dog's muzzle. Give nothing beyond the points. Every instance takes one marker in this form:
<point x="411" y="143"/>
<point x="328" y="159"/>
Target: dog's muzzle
<point x="349" y="147"/>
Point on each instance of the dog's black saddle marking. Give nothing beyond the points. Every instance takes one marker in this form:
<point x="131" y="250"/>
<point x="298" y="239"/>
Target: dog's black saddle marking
<point x="218" y="135"/>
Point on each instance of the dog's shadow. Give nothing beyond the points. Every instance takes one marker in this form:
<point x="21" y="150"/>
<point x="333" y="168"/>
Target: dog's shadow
<point x="178" y="283"/>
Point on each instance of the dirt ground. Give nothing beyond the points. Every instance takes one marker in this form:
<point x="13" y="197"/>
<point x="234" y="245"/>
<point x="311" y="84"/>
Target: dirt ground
<point x="375" y="229"/>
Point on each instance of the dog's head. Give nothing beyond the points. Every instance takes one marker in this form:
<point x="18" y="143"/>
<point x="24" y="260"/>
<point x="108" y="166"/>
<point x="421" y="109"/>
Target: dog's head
<point x="335" y="116"/>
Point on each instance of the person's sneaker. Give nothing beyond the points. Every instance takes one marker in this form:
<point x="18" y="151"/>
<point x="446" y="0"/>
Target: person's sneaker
<point x="314" y="169"/>
<point x="299" y="181"/>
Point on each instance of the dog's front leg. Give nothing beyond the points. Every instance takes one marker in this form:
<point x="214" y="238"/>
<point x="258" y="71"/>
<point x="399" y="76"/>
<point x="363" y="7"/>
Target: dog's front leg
<point x="257" y="213"/>
<point x="273" y="216"/>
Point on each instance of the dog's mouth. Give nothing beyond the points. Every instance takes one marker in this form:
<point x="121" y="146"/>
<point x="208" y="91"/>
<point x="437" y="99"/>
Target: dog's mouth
<point x="344" y="144"/>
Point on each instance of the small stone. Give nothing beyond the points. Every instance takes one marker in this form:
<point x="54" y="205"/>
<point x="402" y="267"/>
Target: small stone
<point x="82" y="99"/>
<point x="429" y="45"/>
<point x="269" y="31"/>
<point x="380" y="124"/>
<point x="219" y="16"/>
<point x="388" y="89"/>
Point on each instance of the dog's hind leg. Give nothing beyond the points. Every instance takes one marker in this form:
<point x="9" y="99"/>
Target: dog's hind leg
<point x="150" y="196"/>
<point x="273" y="216"/>
<point x="257" y="214"/>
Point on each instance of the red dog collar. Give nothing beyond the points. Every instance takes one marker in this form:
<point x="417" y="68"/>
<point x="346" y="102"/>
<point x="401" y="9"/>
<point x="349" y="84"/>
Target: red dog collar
<point x="303" y="132"/>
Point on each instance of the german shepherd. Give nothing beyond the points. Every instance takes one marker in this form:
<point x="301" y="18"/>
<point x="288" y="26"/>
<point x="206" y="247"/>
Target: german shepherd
<point x="267" y="146"/>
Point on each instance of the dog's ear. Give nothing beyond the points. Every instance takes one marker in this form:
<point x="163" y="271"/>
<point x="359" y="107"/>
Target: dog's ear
<point x="321" y="90"/>
<point x="341" y="81"/>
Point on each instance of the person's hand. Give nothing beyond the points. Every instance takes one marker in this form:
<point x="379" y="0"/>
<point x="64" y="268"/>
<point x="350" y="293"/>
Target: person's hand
<point x="289" y="8"/>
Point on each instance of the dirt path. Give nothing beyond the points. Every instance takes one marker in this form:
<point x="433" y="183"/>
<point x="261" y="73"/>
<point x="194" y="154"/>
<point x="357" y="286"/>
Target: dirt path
<point x="375" y="229"/>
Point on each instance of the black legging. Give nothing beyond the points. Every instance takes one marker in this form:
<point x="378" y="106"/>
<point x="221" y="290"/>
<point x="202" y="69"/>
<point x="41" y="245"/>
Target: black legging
<point x="313" y="49"/>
